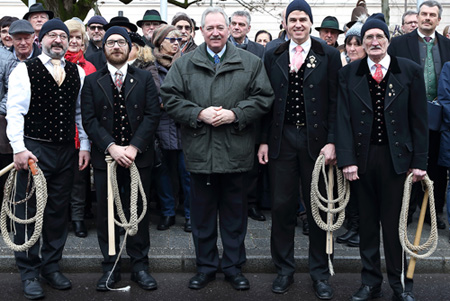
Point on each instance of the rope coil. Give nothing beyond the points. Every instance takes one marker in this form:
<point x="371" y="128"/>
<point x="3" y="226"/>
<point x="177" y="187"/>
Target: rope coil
<point x="317" y="199"/>
<point x="131" y="226"/>
<point x="431" y="243"/>
<point x="40" y="188"/>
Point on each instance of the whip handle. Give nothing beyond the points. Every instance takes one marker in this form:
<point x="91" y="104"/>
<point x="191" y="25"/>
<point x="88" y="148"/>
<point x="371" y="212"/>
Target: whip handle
<point x="329" y="245"/>
<point x="423" y="209"/>
<point x="111" y="234"/>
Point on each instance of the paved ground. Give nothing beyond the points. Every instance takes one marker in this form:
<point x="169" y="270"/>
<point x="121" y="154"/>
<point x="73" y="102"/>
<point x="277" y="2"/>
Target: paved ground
<point x="173" y="286"/>
<point x="172" y="251"/>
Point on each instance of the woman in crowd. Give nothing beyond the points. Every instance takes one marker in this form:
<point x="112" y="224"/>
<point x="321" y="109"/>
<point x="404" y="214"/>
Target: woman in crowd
<point x="81" y="181"/>
<point x="263" y="37"/>
<point x="353" y="44"/>
<point x="167" y="41"/>
<point x="6" y="39"/>
<point x="353" y="51"/>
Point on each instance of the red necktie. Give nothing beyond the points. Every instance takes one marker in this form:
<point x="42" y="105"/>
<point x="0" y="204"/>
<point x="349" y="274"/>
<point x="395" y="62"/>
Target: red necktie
<point x="378" y="75"/>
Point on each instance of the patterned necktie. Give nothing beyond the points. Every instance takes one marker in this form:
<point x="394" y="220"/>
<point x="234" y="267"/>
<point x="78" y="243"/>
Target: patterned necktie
<point x="216" y="59"/>
<point x="118" y="80"/>
<point x="378" y="75"/>
<point x="58" y="72"/>
<point x="298" y="59"/>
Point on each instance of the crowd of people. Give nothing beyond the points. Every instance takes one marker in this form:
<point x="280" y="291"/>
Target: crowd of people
<point x="223" y="130"/>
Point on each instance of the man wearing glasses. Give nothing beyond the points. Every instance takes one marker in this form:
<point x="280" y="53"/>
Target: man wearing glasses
<point x="409" y="21"/>
<point x="186" y="27"/>
<point x="381" y="137"/>
<point x="150" y="21"/>
<point x="42" y="109"/>
<point x="95" y="32"/>
<point x="120" y="110"/>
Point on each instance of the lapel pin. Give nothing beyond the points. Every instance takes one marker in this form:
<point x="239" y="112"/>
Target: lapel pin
<point x="390" y="94"/>
<point x="131" y="80"/>
<point x="308" y="65"/>
<point x="390" y="86"/>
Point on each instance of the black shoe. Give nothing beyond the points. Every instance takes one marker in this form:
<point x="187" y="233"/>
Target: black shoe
<point x="57" y="280"/>
<point x="366" y="292"/>
<point x="406" y="296"/>
<point x="353" y="241"/>
<point x="32" y="289"/>
<point x="79" y="228"/>
<point x="256" y="214"/>
<point x="200" y="280"/>
<point x="342" y="239"/>
<point x="323" y="289"/>
<point x="101" y="283"/>
<point x="144" y="280"/>
<point x="282" y="283"/>
<point x="305" y="227"/>
<point x="238" y="282"/>
<point x="440" y="224"/>
<point x="187" y="225"/>
<point x="166" y="222"/>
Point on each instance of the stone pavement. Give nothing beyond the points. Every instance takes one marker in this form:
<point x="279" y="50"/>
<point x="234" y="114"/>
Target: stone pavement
<point x="173" y="251"/>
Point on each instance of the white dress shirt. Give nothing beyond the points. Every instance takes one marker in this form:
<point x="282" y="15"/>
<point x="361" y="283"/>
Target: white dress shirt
<point x="385" y="62"/>
<point x="19" y="96"/>
<point x="306" y="47"/>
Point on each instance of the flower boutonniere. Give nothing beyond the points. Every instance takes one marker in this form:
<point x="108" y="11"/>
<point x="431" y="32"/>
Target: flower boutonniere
<point x="311" y="61"/>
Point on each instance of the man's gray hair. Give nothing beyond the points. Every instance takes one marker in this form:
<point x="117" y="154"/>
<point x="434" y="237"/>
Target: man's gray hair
<point x="408" y="13"/>
<point x="432" y="3"/>
<point x="242" y="13"/>
<point x="214" y="10"/>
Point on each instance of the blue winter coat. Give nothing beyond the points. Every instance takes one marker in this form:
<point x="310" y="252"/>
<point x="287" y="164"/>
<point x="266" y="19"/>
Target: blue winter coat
<point x="444" y="100"/>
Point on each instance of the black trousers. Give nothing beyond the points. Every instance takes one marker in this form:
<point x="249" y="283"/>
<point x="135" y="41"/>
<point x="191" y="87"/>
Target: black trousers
<point x="223" y="195"/>
<point x="379" y="193"/>
<point x="81" y="185"/>
<point x="137" y="246"/>
<point x="293" y="164"/>
<point x="56" y="162"/>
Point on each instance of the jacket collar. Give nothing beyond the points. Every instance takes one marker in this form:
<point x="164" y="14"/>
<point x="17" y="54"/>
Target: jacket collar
<point x="231" y="61"/>
<point x="316" y="47"/>
<point x="105" y="83"/>
<point x="363" y="67"/>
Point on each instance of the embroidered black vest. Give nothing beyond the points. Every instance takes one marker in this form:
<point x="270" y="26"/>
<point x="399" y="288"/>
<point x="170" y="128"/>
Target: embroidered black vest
<point x="377" y="94"/>
<point x="295" y="103"/>
<point x="121" y="125"/>
<point x="51" y="115"/>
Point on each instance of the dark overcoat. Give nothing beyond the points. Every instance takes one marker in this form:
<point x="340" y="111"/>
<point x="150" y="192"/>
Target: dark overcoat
<point x="405" y="116"/>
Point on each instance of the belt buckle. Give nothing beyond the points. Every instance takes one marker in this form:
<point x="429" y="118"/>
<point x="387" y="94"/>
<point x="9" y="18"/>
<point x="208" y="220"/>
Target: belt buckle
<point x="299" y="125"/>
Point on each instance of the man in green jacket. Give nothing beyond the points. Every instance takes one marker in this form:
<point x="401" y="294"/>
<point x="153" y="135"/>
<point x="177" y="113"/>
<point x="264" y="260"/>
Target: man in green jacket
<point x="216" y="93"/>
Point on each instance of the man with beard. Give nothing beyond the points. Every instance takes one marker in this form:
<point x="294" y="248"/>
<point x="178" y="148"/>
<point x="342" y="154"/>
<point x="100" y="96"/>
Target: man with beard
<point x="120" y="110"/>
<point x="42" y="110"/>
<point x="186" y="27"/>
<point x="95" y="31"/>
